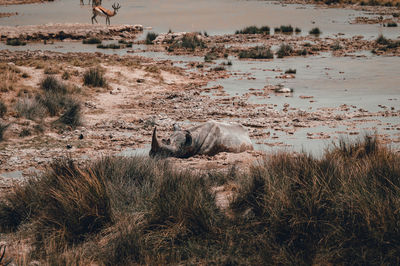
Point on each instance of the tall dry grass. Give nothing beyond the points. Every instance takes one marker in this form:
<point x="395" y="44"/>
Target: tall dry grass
<point x="342" y="208"/>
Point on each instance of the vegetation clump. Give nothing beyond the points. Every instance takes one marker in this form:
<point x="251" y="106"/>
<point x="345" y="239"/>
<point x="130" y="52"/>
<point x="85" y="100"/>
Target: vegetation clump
<point x="341" y="208"/>
<point x="284" y="29"/>
<point x="3" y="109"/>
<point x="284" y="50"/>
<point x="391" y="24"/>
<point x="315" y="31"/>
<point x="94" y="77"/>
<point x="3" y="128"/>
<point x="189" y="41"/>
<point x="52" y="84"/>
<point x="150" y="37"/>
<point x="109" y="46"/>
<point x="15" y="42"/>
<point x="91" y="40"/>
<point x="291" y="71"/>
<point x="72" y="115"/>
<point x="254" y="30"/>
<point x="258" y="52"/>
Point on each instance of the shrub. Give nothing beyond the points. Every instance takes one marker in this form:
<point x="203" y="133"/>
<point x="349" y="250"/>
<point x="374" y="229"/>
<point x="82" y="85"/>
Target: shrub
<point x="284" y="50"/>
<point x="3" y="128"/>
<point x="335" y="209"/>
<point x="391" y="24"/>
<point x="210" y="56"/>
<point x="382" y="40"/>
<point x="3" y="109"/>
<point x="336" y="46"/>
<point x="258" y="52"/>
<point x="254" y="30"/>
<point x="286" y="29"/>
<point x="109" y="46"/>
<point x="54" y="102"/>
<point x="297" y="30"/>
<point x="30" y="108"/>
<point x="315" y="31"/>
<point x="72" y="115"/>
<point x="66" y="75"/>
<point x="15" y="42"/>
<point x="94" y="77"/>
<point x="150" y="37"/>
<point x="91" y="40"/>
<point x="50" y="71"/>
<point x="52" y="84"/>
<point x="290" y="71"/>
<point x="25" y="132"/>
<point x="66" y="203"/>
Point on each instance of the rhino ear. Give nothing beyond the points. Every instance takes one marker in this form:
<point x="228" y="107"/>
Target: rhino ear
<point x="154" y="142"/>
<point x="188" y="140"/>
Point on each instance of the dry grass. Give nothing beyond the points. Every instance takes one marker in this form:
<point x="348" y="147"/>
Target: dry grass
<point x="291" y="209"/>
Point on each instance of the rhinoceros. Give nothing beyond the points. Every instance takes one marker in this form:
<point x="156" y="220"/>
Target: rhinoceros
<point x="207" y="138"/>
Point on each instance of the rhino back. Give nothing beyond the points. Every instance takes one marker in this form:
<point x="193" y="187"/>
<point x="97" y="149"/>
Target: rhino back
<point x="214" y="137"/>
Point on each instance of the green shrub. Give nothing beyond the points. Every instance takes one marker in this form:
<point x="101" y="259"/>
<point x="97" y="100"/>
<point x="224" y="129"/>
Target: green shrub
<point x="315" y="31"/>
<point x="52" y="84"/>
<point x="258" y="52"/>
<point x="290" y="71"/>
<point x="254" y="30"/>
<point x="72" y="115"/>
<point x="30" y="108"/>
<point x="109" y="46"/>
<point x="284" y="50"/>
<point x="391" y="24"/>
<point x="150" y="37"/>
<point x="94" y="77"/>
<point x="15" y="42"/>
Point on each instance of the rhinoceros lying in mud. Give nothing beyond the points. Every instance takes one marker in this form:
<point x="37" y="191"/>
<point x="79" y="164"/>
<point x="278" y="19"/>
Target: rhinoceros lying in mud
<point x="208" y="138"/>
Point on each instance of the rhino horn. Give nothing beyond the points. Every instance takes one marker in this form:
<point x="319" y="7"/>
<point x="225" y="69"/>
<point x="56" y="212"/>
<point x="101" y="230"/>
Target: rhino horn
<point x="154" y="142"/>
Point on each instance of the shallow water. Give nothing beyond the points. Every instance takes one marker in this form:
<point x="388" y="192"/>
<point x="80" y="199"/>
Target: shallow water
<point x="365" y="82"/>
<point x="215" y="17"/>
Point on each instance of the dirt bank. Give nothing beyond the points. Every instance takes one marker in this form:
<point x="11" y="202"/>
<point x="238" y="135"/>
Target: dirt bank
<point x="63" y="31"/>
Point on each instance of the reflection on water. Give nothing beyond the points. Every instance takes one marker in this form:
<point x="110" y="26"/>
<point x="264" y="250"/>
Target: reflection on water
<point x="213" y="16"/>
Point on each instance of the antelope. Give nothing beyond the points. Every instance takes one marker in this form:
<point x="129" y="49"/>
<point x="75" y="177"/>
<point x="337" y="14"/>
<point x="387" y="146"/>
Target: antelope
<point x="101" y="11"/>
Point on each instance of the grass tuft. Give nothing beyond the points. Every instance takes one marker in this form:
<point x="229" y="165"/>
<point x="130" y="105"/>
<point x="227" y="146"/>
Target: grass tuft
<point x="94" y="77"/>
<point x="52" y="84"/>
<point x="3" y="128"/>
<point x="284" y="50"/>
<point x="254" y="30"/>
<point x="15" y="42"/>
<point x="72" y="115"/>
<point x="150" y="37"/>
<point x="315" y="31"/>
<point x="3" y="109"/>
<point x="258" y="52"/>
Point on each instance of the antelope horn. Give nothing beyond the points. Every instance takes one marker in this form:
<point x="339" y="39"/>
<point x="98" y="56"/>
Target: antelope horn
<point x="154" y="142"/>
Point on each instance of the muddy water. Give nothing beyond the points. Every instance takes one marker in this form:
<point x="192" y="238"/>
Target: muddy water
<point x="213" y="16"/>
<point x="364" y="82"/>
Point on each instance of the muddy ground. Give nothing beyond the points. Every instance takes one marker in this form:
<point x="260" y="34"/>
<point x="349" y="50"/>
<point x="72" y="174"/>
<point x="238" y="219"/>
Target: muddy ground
<point x="141" y="94"/>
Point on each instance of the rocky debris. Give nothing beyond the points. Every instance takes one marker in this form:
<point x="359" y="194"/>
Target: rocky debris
<point x="170" y="37"/>
<point x="75" y="31"/>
